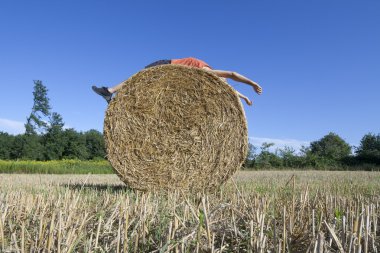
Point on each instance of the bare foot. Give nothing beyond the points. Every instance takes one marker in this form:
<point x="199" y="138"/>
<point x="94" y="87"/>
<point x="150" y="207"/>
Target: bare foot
<point x="258" y="89"/>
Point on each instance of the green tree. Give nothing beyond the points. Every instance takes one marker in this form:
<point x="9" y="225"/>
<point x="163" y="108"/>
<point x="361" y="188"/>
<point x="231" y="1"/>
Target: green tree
<point x="289" y="157"/>
<point x="251" y="156"/>
<point x="32" y="149"/>
<point x="75" y="145"/>
<point x="95" y="144"/>
<point x="56" y="121"/>
<point x="267" y="159"/>
<point x="53" y="140"/>
<point x="26" y="146"/>
<point x="38" y="118"/>
<point x="330" y="149"/>
<point x="369" y="149"/>
<point x="17" y="147"/>
<point x="308" y="159"/>
<point x="6" y="141"/>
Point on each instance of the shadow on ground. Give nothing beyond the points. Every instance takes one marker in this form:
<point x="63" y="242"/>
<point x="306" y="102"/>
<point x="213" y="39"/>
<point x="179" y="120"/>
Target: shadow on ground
<point x="97" y="187"/>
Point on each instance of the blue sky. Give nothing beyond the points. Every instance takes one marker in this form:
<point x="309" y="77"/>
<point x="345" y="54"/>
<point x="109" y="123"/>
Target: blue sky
<point x="317" y="61"/>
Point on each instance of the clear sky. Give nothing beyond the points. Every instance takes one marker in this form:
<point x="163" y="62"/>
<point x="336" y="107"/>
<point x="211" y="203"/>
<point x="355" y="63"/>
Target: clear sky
<point x="317" y="61"/>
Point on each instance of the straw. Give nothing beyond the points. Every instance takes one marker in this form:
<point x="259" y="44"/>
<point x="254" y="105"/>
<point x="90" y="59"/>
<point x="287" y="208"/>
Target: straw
<point x="175" y="127"/>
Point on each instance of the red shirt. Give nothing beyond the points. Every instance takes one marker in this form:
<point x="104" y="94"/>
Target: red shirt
<point x="191" y="62"/>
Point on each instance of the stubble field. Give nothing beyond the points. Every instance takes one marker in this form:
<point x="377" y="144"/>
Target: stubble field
<point x="266" y="211"/>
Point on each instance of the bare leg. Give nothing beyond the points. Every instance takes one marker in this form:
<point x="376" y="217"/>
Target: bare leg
<point x="117" y="87"/>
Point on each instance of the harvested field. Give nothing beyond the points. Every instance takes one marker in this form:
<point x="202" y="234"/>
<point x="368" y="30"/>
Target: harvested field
<point x="288" y="211"/>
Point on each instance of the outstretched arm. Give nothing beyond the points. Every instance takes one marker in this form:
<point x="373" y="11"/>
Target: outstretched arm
<point x="237" y="77"/>
<point x="249" y="102"/>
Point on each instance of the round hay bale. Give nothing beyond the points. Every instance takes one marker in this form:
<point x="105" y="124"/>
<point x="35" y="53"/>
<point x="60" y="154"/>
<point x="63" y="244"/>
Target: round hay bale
<point x="175" y="127"/>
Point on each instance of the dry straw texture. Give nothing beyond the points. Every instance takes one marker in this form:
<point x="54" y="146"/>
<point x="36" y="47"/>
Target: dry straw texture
<point x="174" y="127"/>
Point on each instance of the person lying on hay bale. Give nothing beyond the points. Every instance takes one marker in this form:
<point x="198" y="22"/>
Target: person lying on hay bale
<point x="107" y="92"/>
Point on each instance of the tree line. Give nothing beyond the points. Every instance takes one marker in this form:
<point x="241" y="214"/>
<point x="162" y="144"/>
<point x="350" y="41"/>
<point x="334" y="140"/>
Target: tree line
<point x="46" y="138"/>
<point x="55" y="144"/>
<point x="329" y="152"/>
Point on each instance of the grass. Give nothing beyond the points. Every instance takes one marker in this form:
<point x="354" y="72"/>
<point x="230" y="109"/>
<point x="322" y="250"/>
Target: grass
<point x="287" y="211"/>
<point x="56" y="167"/>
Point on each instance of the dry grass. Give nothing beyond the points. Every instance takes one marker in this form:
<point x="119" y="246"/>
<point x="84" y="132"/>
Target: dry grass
<point x="175" y="127"/>
<point x="256" y="212"/>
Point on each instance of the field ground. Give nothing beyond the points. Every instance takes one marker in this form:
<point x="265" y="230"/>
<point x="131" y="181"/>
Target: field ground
<point x="263" y="211"/>
<point x="56" y="167"/>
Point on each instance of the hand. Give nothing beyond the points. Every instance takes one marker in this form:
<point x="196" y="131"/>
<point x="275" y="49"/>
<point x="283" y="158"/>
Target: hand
<point x="257" y="88"/>
<point x="249" y="102"/>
